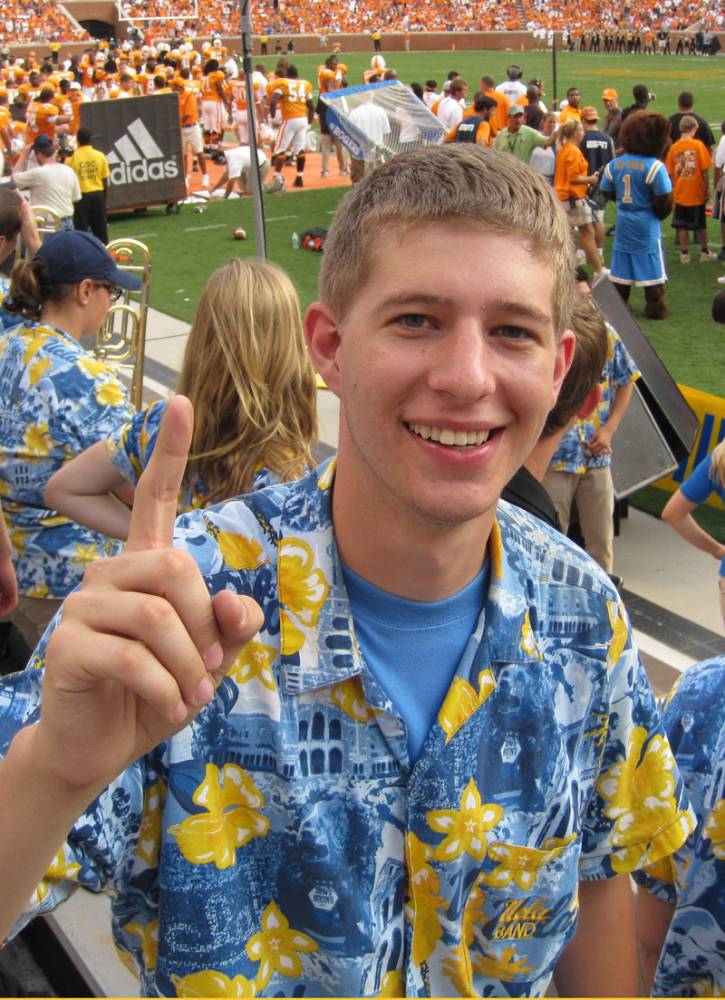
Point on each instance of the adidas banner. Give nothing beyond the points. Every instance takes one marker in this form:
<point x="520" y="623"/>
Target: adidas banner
<point x="141" y="138"/>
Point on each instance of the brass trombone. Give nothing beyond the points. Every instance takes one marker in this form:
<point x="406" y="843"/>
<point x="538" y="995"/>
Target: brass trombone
<point x="122" y="338"/>
<point x="47" y="221"/>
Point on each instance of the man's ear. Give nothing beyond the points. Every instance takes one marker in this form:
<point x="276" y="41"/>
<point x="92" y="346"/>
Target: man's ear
<point x="323" y="340"/>
<point x="591" y="402"/>
<point x="562" y="362"/>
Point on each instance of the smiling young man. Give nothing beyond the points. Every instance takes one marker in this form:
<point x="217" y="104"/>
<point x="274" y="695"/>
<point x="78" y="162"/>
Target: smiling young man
<point x="440" y="750"/>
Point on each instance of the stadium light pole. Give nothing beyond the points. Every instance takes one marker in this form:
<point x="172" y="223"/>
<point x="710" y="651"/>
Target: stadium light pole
<point x="245" y="24"/>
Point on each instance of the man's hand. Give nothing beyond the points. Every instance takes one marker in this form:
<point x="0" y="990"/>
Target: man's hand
<point x="600" y="443"/>
<point x="141" y="647"/>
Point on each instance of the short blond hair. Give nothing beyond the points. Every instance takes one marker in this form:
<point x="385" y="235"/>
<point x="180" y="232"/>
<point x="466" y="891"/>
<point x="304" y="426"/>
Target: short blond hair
<point x="250" y="378"/>
<point x="450" y="183"/>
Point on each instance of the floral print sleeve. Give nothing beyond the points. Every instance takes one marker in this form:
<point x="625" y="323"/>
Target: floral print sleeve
<point x="692" y="961"/>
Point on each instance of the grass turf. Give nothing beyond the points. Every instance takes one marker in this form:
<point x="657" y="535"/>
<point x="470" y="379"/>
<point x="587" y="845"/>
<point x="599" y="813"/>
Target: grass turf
<point x="188" y="246"/>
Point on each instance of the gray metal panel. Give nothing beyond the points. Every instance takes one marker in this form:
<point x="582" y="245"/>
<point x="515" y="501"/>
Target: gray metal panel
<point x="674" y="416"/>
<point x="641" y="454"/>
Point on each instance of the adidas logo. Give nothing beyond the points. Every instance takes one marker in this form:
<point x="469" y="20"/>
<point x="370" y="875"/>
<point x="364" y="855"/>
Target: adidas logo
<point x="137" y="157"/>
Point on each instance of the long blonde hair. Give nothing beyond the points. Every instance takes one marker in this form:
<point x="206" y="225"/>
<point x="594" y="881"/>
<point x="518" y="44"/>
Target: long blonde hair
<point x="718" y="463"/>
<point x="248" y="374"/>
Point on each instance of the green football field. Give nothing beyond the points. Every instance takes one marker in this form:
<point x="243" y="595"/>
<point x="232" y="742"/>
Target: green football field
<point x="188" y="246"/>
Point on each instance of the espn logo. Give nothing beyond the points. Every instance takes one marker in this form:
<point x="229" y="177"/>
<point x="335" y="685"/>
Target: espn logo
<point x="136" y="157"/>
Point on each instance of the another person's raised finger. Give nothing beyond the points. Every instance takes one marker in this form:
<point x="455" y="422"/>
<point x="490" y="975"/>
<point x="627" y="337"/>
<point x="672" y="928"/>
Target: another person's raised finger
<point x="155" y="502"/>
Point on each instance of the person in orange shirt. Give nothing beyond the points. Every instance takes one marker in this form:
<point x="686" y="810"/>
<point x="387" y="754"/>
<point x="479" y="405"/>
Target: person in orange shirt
<point x="191" y="137"/>
<point x="214" y="102"/>
<point x="571" y="110"/>
<point x="42" y="117"/>
<point x="688" y="162"/>
<point x="294" y="98"/>
<point x="571" y="184"/>
<point x="237" y="90"/>
<point x="500" y="116"/>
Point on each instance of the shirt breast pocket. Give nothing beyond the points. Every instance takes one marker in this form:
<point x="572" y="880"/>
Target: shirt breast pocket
<point x="522" y="908"/>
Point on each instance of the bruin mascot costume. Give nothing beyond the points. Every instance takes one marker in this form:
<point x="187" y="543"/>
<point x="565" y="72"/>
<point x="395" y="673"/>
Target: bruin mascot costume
<point x="639" y="183"/>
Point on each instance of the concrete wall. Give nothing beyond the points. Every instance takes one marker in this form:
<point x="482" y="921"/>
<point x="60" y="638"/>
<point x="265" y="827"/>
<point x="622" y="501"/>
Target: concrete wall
<point x="434" y="41"/>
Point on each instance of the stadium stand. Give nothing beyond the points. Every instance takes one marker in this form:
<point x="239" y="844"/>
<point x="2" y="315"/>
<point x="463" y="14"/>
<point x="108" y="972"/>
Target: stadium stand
<point x="35" y="22"/>
<point x="337" y="16"/>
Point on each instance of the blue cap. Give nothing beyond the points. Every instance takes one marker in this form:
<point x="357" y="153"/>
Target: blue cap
<point x="72" y="255"/>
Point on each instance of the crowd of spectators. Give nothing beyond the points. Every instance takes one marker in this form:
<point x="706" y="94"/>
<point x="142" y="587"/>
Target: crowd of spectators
<point x="35" y="22"/>
<point x="289" y="17"/>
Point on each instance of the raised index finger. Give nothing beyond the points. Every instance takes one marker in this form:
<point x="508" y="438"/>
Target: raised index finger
<point x="156" y="498"/>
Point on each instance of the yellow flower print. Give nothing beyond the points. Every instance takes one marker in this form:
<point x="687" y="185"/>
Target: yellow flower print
<point x="424" y="899"/>
<point x="662" y="870"/>
<point x="704" y="988"/>
<point x="92" y="367"/>
<point x="110" y="394"/>
<point x="37" y="440"/>
<point x="462" y="701"/>
<point x="619" y="632"/>
<point x="230" y="820"/>
<point x="240" y="552"/>
<point x="715" y="830"/>
<point x="18" y="539"/>
<point x="255" y="660"/>
<point x="326" y="480"/>
<point x="39" y="590"/>
<point x="495" y="552"/>
<point x="639" y="792"/>
<point x="503" y="966"/>
<point x="276" y="946"/>
<point x="211" y="983"/>
<point x="149" y="837"/>
<point x="33" y="342"/>
<point x="392" y="984"/>
<point x="149" y="935"/>
<point x="528" y="639"/>
<point x="348" y="696"/>
<point x="38" y="368"/>
<point x="4" y="484"/>
<point x="58" y="870"/>
<point x="465" y="828"/>
<point x="85" y="553"/>
<point x="303" y="590"/>
<point x="458" y="969"/>
<point x="521" y="865"/>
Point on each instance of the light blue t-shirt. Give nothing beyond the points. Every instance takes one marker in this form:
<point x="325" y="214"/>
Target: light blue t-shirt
<point x="413" y="648"/>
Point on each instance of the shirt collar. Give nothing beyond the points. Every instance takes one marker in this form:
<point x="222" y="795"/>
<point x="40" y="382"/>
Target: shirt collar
<point x="317" y="636"/>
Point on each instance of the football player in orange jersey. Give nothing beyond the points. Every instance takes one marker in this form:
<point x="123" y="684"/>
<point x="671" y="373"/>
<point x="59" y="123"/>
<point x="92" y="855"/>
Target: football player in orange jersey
<point x="237" y="90"/>
<point x="214" y="102"/>
<point x="191" y="136"/>
<point x="294" y="97"/>
<point x="42" y="116"/>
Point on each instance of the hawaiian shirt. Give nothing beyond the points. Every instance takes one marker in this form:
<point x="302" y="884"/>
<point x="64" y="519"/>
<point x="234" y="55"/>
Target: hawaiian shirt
<point x="283" y="843"/>
<point x="55" y="401"/>
<point x="7" y="320"/>
<point x="130" y="447"/>
<point x="572" y="455"/>
<point x="692" y="961"/>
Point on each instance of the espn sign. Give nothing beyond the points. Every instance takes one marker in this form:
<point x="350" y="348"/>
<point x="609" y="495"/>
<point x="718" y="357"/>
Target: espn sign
<point x="141" y="138"/>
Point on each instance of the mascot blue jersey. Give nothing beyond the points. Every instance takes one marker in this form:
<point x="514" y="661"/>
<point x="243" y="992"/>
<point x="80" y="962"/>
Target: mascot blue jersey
<point x="635" y="179"/>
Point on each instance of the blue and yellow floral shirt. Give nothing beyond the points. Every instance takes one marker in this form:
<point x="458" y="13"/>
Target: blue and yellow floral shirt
<point x="130" y="447"/>
<point x="7" y="320"/>
<point x="572" y="455"/>
<point x="692" y="962"/>
<point x="55" y="400"/>
<point x="283" y="844"/>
